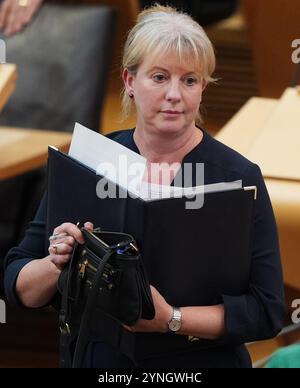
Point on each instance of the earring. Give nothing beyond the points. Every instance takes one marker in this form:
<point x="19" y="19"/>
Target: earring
<point x="130" y="95"/>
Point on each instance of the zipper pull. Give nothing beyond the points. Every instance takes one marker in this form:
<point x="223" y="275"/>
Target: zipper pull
<point x="82" y="268"/>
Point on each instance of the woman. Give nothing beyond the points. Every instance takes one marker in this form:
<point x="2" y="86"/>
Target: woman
<point x="168" y="60"/>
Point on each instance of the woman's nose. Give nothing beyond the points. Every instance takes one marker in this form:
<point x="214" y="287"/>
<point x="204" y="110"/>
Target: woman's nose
<point x="173" y="93"/>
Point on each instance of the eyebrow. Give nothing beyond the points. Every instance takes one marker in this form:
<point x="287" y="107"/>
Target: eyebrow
<point x="166" y="70"/>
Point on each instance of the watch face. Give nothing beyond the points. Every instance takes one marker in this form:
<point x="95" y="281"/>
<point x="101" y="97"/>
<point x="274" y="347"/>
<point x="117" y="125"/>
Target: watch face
<point x="174" y="325"/>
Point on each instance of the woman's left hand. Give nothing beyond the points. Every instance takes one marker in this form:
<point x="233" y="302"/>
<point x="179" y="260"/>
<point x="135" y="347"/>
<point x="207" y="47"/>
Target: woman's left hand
<point x="163" y="314"/>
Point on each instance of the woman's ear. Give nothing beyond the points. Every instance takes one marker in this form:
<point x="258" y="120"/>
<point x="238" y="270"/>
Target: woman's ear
<point x="128" y="80"/>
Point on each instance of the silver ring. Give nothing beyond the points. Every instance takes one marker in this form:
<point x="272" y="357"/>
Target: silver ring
<point x="57" y="236"/>
<point x="23" y="3"/>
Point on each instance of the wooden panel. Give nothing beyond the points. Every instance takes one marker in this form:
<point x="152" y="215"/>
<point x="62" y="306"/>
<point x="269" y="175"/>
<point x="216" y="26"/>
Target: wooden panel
<point x="243" y="128"/>
<point x="234" y="69"/>
<point x="276" y="148"/>
<point x="8" y="77"/>
<point x="260" y="351"/>
<point x="285" y="196"/>
<point x="273" y="25"/>
<point x="22" y="150"/>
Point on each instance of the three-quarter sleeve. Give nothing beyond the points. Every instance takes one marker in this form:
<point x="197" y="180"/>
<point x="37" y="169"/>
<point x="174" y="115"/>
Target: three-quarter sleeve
<point x="31" y="247"/>
<point x="258" y="314"/>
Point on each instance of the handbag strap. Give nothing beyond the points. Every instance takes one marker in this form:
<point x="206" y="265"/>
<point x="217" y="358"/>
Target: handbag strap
<point x="66" y="334"/>
<point x="121" y="338"/>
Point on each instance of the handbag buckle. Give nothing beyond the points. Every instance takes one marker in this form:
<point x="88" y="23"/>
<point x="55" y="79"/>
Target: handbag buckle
<point x="64" y="328"/>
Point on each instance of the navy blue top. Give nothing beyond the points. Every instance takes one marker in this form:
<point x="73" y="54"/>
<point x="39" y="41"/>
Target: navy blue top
<point x="253" y="316"/>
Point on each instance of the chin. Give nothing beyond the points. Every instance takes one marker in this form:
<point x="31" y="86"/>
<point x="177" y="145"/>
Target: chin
<point x="170" y="128"/>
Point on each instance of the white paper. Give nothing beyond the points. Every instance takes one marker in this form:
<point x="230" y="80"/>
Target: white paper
<point x="126" y="168"/>
<point x="153" y="191"/>
<point x="106" y="157"/>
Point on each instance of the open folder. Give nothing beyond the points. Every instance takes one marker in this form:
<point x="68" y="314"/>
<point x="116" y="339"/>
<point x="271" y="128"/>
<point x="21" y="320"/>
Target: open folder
<point x="192" y="256"/>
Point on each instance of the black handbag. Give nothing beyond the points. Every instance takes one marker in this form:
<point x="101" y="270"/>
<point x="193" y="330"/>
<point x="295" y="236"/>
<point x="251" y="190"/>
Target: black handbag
<point x="103" y="286"/>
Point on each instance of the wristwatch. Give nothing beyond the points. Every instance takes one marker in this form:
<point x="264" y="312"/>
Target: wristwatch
<point x="175" y="322"/>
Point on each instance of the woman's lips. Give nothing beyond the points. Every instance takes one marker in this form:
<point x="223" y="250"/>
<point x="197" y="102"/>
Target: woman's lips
<point x="171" y="112"/>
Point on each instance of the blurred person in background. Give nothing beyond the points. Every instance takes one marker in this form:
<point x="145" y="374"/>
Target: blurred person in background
<point x="16" y="14"/>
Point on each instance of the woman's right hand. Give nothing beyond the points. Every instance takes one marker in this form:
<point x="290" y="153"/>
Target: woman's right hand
<point x="62" y="242"/>
<point x="16" y="14"/>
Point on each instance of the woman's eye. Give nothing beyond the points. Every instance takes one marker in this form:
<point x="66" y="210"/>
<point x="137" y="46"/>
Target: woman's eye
<point x="190" y="81"/>
<point x="158" y="77"/>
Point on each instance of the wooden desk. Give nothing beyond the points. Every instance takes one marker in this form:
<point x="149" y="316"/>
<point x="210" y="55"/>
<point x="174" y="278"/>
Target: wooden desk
<point x="240" y="133"/>
<point x="8" y="78"/>
<point x="22" y="150"/>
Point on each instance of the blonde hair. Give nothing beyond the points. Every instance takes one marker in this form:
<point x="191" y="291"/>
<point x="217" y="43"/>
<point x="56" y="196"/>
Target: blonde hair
<point x="161" y="29"/>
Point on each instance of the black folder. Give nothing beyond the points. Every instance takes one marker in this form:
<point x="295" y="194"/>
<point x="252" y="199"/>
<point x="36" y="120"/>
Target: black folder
<point x="192" y="256"/>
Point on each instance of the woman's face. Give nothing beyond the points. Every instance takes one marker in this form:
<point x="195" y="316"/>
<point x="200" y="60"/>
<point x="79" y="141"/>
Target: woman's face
<point x="167" y="94"/>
